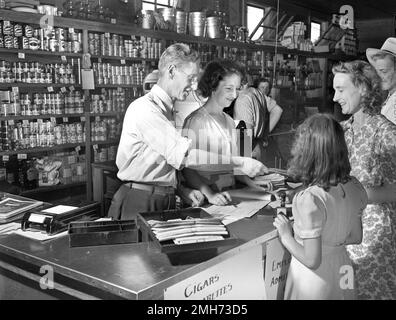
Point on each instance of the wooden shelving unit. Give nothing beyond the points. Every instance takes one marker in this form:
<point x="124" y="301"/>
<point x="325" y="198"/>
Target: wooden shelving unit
<point x="165" y="37"/>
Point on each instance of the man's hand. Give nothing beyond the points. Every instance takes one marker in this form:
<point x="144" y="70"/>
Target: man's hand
<point x="250" y="167"/>
<point x="220" y="199"/>
<point x="196" y="197"/>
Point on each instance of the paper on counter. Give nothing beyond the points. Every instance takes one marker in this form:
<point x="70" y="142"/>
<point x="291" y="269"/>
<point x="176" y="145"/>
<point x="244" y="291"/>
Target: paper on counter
<point x="39" y="235"/>
<point x="246" y="203"/>
<point x="59" y="209"/>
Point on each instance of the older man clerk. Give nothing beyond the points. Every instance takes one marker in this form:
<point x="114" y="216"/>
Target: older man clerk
<point x="151" y="150"/>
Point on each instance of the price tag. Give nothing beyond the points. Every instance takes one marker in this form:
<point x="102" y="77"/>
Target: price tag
<point x="64" y="59"/>
<point x="15" y="89"/>
<point x="50" y="89"/>
<point x="40" y="121"/>
<point x="25" y="122"/>
<point x="65" y="119"/>
<point x="22" y="156"/>
<point x="82" y="119"/>
<point x="103" y="90"/>
<point x="99" y="60"/>
<point x="113" y="21"/>
<point x="21" y="55"/>
<point x="52" y="119"/>
<point x="71" y="30"/>
<point x="6" y="158"/>
<point x="123" y="61"/>
<point x="107" y="35"/>
<point x="78" y="148"/>
<point x="10" y="122"/>
<point x="97" y="119"/>
<point x="71" y="88"/>
<point x="95" y="147"/>
<point x="63" y="90"/>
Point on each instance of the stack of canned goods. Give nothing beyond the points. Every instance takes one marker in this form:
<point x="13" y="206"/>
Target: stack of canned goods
<point x="36" y="72"/>
<point x="24" y="36"/>
<point x="111" y="100"/>
<point x="105" y="154"/>
<point x="70" y="133"/>
<point x="106" y="73"/>
<point x="31" y="134"/>
<point x="102" y="130"/>
<point x="107" y="44"/>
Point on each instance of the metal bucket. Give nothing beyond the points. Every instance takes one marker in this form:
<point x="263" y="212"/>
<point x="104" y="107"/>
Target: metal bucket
<point x="196" y="23"/>
<point x="181" y="22"/>
<point x="169" y="15"/>
<point x="213" y="25"/>
<point x="148" y="19"/>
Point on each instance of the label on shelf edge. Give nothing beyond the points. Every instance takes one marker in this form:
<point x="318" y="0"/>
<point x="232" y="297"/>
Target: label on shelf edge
<point x="71" y="88"/>
<point x="10" y="122"/>
<point x="25" y="122"/>
<point x="21" y="55"/>
<point x="15" y="89"/>
<point x="65" y="119"/>
<point x="78" y="148"/>
<point x="97" y="118"/>
<point x="71" y="30"/>
<point x="113" y="21"/>
<point x="6" y="157"/>
<point x="52" y="119"/>
<point x="123" y="61"/>
<point x="63" y="90"/>
<point x="95" y="147"/>
<point x="40" y="121"/>
<point x="82" y="118"/>
<point x="21" y="156"/>
<point x="50" y="89"/>
<point x="63" y="58"/>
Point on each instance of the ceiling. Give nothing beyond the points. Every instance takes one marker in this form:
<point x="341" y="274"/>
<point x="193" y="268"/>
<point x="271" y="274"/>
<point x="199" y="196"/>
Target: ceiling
<point x="363" y="9"/>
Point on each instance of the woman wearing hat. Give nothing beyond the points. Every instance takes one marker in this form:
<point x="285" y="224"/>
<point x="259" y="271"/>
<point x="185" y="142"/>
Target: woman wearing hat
<point x="384" y="62"/>
<point x="371" y="141"/>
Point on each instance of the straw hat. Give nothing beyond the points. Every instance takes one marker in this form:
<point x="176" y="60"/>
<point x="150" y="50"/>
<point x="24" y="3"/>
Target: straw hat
<point x="389" y="47"/>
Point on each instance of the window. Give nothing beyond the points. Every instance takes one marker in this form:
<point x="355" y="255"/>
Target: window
<point x="315" y="31"/>
<point x="254" y="16"/>
<point x="155" y="4"/>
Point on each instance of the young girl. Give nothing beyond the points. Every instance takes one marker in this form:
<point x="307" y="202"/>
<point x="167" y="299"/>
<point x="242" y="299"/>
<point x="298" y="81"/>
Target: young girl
<point x="327" y="213"/>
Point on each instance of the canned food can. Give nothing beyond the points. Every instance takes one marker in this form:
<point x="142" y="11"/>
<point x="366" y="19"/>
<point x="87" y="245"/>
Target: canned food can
<point x="28" y="31"/>
<point x="18" y="30"/>
<point x="8" y="28"/>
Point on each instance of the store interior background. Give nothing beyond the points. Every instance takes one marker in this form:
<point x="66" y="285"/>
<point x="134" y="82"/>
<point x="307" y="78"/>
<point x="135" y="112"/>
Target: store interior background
<point x="374" y="22"/>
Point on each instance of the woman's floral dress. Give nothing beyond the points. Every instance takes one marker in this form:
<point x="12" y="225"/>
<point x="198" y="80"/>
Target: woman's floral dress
<point x="372" y="153"/>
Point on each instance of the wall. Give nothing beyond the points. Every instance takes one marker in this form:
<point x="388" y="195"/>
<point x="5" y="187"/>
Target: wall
<point x="372" y="33"/>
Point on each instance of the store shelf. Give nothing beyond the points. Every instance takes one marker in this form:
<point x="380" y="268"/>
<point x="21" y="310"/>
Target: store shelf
<point x="43" y="149"/>
<point x="53" y="188"/>
<point x="43" y="116"/>
<point x="24" y="85"/>
<point x="139" y="59"/>
<point x="118" y="86"/>
<point x="105" y="114"/>
<point x="40" y="53"/>
<point x="112" y="141"/>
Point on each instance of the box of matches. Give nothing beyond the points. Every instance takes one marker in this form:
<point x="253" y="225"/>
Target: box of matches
<point x="184" y="230"/>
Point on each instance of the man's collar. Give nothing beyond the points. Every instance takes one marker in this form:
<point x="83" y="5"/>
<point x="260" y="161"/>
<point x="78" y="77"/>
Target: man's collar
<point x="163" y="96"/>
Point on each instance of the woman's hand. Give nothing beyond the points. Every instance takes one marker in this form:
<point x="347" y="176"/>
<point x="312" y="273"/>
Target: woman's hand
<point x="220" y="198"/>
<point x="192" y="197"/>
<point x="284" y="226"/>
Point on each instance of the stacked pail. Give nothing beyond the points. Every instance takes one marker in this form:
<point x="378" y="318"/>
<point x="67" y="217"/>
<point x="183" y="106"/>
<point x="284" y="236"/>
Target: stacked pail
<point x="196" y="23"/>
<point x="213" y="27"/>
<point x="181" y="21"/>
<point x="169" y="15"/>
<point x="148" y="19"/>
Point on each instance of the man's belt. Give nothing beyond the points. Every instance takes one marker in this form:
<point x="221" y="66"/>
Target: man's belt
<point x="150" y="188"/>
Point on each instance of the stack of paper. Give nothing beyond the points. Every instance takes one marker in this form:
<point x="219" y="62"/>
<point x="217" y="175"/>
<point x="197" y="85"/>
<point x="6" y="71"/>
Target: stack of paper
<point x="12" y="208"/>
<point x="189" y="230"/>
<point x="275" y="179"/>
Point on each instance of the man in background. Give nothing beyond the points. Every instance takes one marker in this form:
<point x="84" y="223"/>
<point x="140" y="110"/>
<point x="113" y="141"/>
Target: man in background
<point x="384" y="62"/>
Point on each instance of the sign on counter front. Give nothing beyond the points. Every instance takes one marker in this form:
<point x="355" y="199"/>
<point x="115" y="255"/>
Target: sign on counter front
<point x="276" y="267"/>
<point x="237" y="278"/>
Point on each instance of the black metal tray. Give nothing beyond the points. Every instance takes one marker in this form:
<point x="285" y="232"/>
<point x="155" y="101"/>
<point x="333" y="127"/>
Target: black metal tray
<point x="169" y="246"/>
<point x="95" y="233"/>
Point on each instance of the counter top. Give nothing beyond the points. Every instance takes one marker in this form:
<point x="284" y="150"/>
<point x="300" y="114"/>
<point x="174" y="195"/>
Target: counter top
<point x="130" y="271"/>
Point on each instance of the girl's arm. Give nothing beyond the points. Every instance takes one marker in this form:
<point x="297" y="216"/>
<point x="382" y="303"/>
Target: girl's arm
<point x="309" y="254"/>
